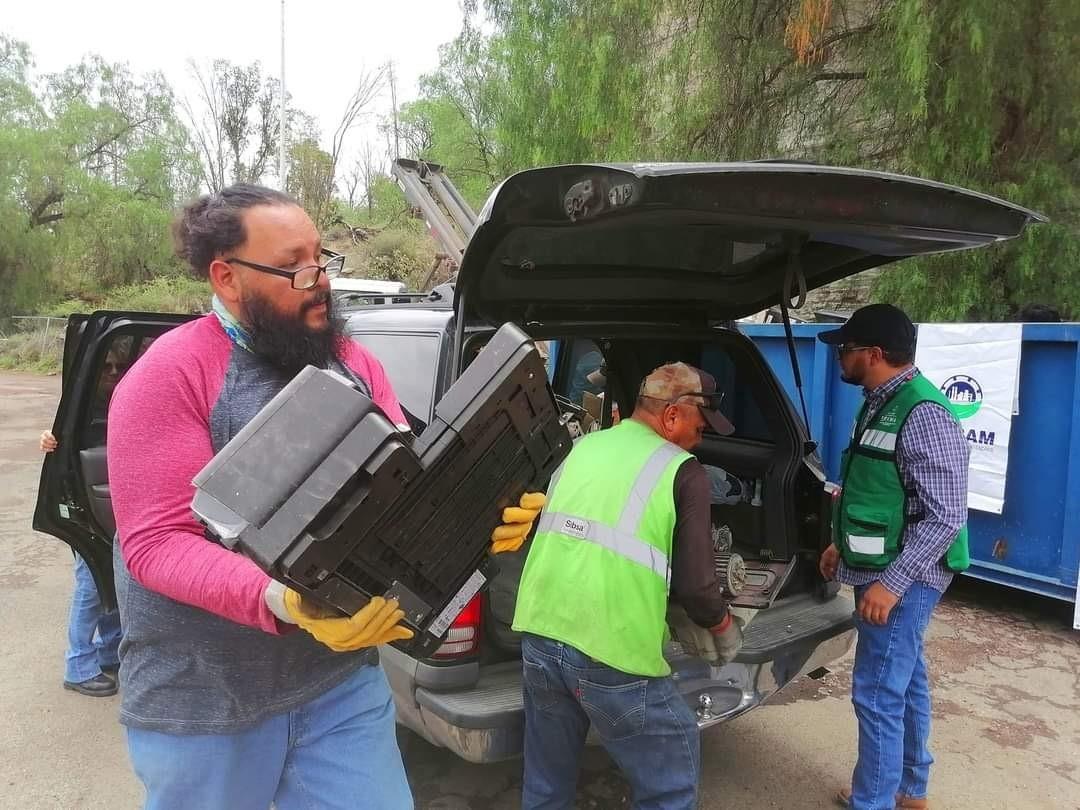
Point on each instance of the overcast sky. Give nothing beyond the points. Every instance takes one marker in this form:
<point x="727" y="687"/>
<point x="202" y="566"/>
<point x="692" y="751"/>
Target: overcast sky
<point x="328" y="44"/>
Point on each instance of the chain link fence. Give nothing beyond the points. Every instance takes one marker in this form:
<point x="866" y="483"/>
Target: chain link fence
<point x="32" y="342"/>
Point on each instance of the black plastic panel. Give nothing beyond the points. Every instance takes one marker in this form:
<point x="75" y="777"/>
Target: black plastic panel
<point x="324" y="494"/>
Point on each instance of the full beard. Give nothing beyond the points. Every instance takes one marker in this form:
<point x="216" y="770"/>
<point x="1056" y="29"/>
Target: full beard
<point x="855" y="376"/>
<point x="286" y="341"/>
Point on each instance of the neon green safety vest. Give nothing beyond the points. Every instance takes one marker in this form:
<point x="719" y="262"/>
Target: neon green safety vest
<point x="870" y="517"/>
<point x="599" y="569"/>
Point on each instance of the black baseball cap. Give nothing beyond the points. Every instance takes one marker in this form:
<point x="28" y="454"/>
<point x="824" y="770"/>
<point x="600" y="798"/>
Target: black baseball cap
<point x="881" y="325"/>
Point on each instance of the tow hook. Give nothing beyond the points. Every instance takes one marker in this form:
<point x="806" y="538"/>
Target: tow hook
<point x="704" y="710"/>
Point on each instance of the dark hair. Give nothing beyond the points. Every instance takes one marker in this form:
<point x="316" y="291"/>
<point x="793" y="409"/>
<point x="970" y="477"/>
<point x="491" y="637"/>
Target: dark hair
<point x="212" y="224"/>
<point x="898" y="357"/>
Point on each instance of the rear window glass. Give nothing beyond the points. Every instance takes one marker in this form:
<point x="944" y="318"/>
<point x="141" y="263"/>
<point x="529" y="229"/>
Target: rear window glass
<point x="690" y="248"/>
<point x="114" y="359"/>
<point x="739" y="403"/>
<point x="410" y="360"/>
<point x="585" y="361"/>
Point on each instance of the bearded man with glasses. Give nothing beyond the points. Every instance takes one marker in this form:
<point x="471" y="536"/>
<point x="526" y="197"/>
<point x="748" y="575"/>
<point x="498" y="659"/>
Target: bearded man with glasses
<point x="236" y="694"/>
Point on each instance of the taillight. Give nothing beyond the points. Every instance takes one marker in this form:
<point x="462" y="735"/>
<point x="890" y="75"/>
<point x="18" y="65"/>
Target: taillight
<point x="463" y="637"/>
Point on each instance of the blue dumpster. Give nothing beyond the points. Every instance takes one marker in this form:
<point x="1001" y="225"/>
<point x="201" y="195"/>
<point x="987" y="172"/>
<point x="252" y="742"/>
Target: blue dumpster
<point x="1034" y="544"/>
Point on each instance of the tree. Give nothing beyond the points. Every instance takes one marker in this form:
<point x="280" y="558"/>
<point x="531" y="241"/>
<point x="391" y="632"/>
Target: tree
<point x="352" y="181"/>
<point x="92" y="162"/>
<point x="310" y="179"/>
<point x="318" y="168"/>
<point x="368" y="87"/>
<point x="234" y="122"/>
<point x="983" y="94"/>
<point x="454" y="121"/>
<point x="359" y="181"/>
<point x="370" y="173"/>
<point x="972" y="92"/>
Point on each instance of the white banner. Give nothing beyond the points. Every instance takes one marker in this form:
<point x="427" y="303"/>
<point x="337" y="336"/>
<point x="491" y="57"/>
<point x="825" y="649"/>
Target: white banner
<point x="977" y="367"/>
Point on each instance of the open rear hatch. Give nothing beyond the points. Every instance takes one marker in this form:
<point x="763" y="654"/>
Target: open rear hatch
<point x="648" y="241"/>
<point x="664" y="248"/>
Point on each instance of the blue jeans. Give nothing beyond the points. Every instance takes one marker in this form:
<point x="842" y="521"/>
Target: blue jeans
<point x="93" y="633"/>
<point x="891" y="693"/>
<point x="644" y="724"/>
<point x="337" y="752"/>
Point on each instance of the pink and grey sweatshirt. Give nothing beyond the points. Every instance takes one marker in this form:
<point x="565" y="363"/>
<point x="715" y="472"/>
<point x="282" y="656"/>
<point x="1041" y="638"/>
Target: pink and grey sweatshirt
<point x="202" y="652"/>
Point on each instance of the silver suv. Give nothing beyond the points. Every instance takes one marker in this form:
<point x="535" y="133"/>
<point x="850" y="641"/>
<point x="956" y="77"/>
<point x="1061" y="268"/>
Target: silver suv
<point x="615" y="268"/>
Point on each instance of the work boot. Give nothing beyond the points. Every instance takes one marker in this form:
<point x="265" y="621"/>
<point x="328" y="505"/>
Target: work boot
<point x="843" y="798"/>
<point x="98" y="686"/>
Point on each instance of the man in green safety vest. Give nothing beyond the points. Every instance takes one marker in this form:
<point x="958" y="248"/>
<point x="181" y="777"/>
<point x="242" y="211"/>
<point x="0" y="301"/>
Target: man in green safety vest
<point x="627" y="521"/>
<point x="899" y="534"/>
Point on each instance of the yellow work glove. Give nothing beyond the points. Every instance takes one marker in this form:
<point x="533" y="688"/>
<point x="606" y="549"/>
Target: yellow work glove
<point x="375" y="623"/>
<point x="517" y="523"/>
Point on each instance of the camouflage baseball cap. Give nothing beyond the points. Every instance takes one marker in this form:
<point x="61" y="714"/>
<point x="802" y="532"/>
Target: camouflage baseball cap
<point x="675" y="382"/>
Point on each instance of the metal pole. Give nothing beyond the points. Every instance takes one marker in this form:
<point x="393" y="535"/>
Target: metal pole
<point x="282" y="136"/>
<point x="393" y="102"/>
<point x="45" y="337"/>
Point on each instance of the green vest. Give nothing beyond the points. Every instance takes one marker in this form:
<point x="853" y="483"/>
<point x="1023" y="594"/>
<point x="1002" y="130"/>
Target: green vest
<point x="870" y="515"/>
<point x="598" y="572"/>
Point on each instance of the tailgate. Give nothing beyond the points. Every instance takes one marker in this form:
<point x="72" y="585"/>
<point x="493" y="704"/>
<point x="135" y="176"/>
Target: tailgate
<point x="793" y="624"/>
<point x="791" y="629"/>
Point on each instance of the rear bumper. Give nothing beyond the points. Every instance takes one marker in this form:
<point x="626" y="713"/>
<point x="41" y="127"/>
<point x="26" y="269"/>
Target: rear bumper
<point x="485" y="722"/>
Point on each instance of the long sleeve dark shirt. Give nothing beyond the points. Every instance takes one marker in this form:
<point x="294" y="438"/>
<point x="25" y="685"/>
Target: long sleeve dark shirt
<point x="694" y="583"/>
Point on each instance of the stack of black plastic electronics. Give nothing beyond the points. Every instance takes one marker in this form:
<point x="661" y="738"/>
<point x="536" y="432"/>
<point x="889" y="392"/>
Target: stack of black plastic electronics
<point x="325" y="495"/>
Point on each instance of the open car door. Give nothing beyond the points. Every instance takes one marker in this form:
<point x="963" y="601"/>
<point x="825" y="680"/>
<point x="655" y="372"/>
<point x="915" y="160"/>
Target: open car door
<point x="74" y="504"/>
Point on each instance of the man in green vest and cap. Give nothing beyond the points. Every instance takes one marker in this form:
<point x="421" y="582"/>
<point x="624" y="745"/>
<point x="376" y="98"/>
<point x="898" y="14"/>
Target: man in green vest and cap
<point x="899" y="534"/>
<point x="627" y="521"/>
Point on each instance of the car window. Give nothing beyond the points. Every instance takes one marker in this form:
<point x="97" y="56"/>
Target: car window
<point x="739" y="403"/>
<point x="583" y="371"/>
<point x="410" y="360"/>
<point x="113" y="360"/>
<point x="579" y="376"/>
<point x="693" y="248"/>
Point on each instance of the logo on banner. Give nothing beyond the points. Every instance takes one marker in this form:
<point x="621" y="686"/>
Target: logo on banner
<point x="964" y="394"/>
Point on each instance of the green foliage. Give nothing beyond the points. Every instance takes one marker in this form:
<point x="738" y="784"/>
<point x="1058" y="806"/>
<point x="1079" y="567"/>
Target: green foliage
<point x="455" y="120"/>
<point x="392" y="254"/>
<point x="234" y="124"/>
<point x="579" y="80"/>
<point x="178" y="293"/>
<point x="35" y="350"/>
<point x="990" y="91"/>
<point x="25" y="259"/>
<point x="397" y="255"/>
<point x="437" y="131"/>
<point x="978" y="93"/>
<point x="311" y="180"/>
<point x="388" y="209"/>
<point x="92" y="162"/>
<point x="120" y="239"/>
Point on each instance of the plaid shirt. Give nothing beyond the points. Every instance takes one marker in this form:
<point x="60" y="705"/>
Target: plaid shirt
<point x="932" y="455"/>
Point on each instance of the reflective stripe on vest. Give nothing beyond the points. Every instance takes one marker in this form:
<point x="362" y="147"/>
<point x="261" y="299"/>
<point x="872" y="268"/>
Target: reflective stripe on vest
<point x="880" y="440"/>
<point x="621" y="539"/>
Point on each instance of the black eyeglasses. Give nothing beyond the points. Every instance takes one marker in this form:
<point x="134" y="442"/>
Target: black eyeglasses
<point x="842" y="350"/>
<point x="303" y="279"/>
